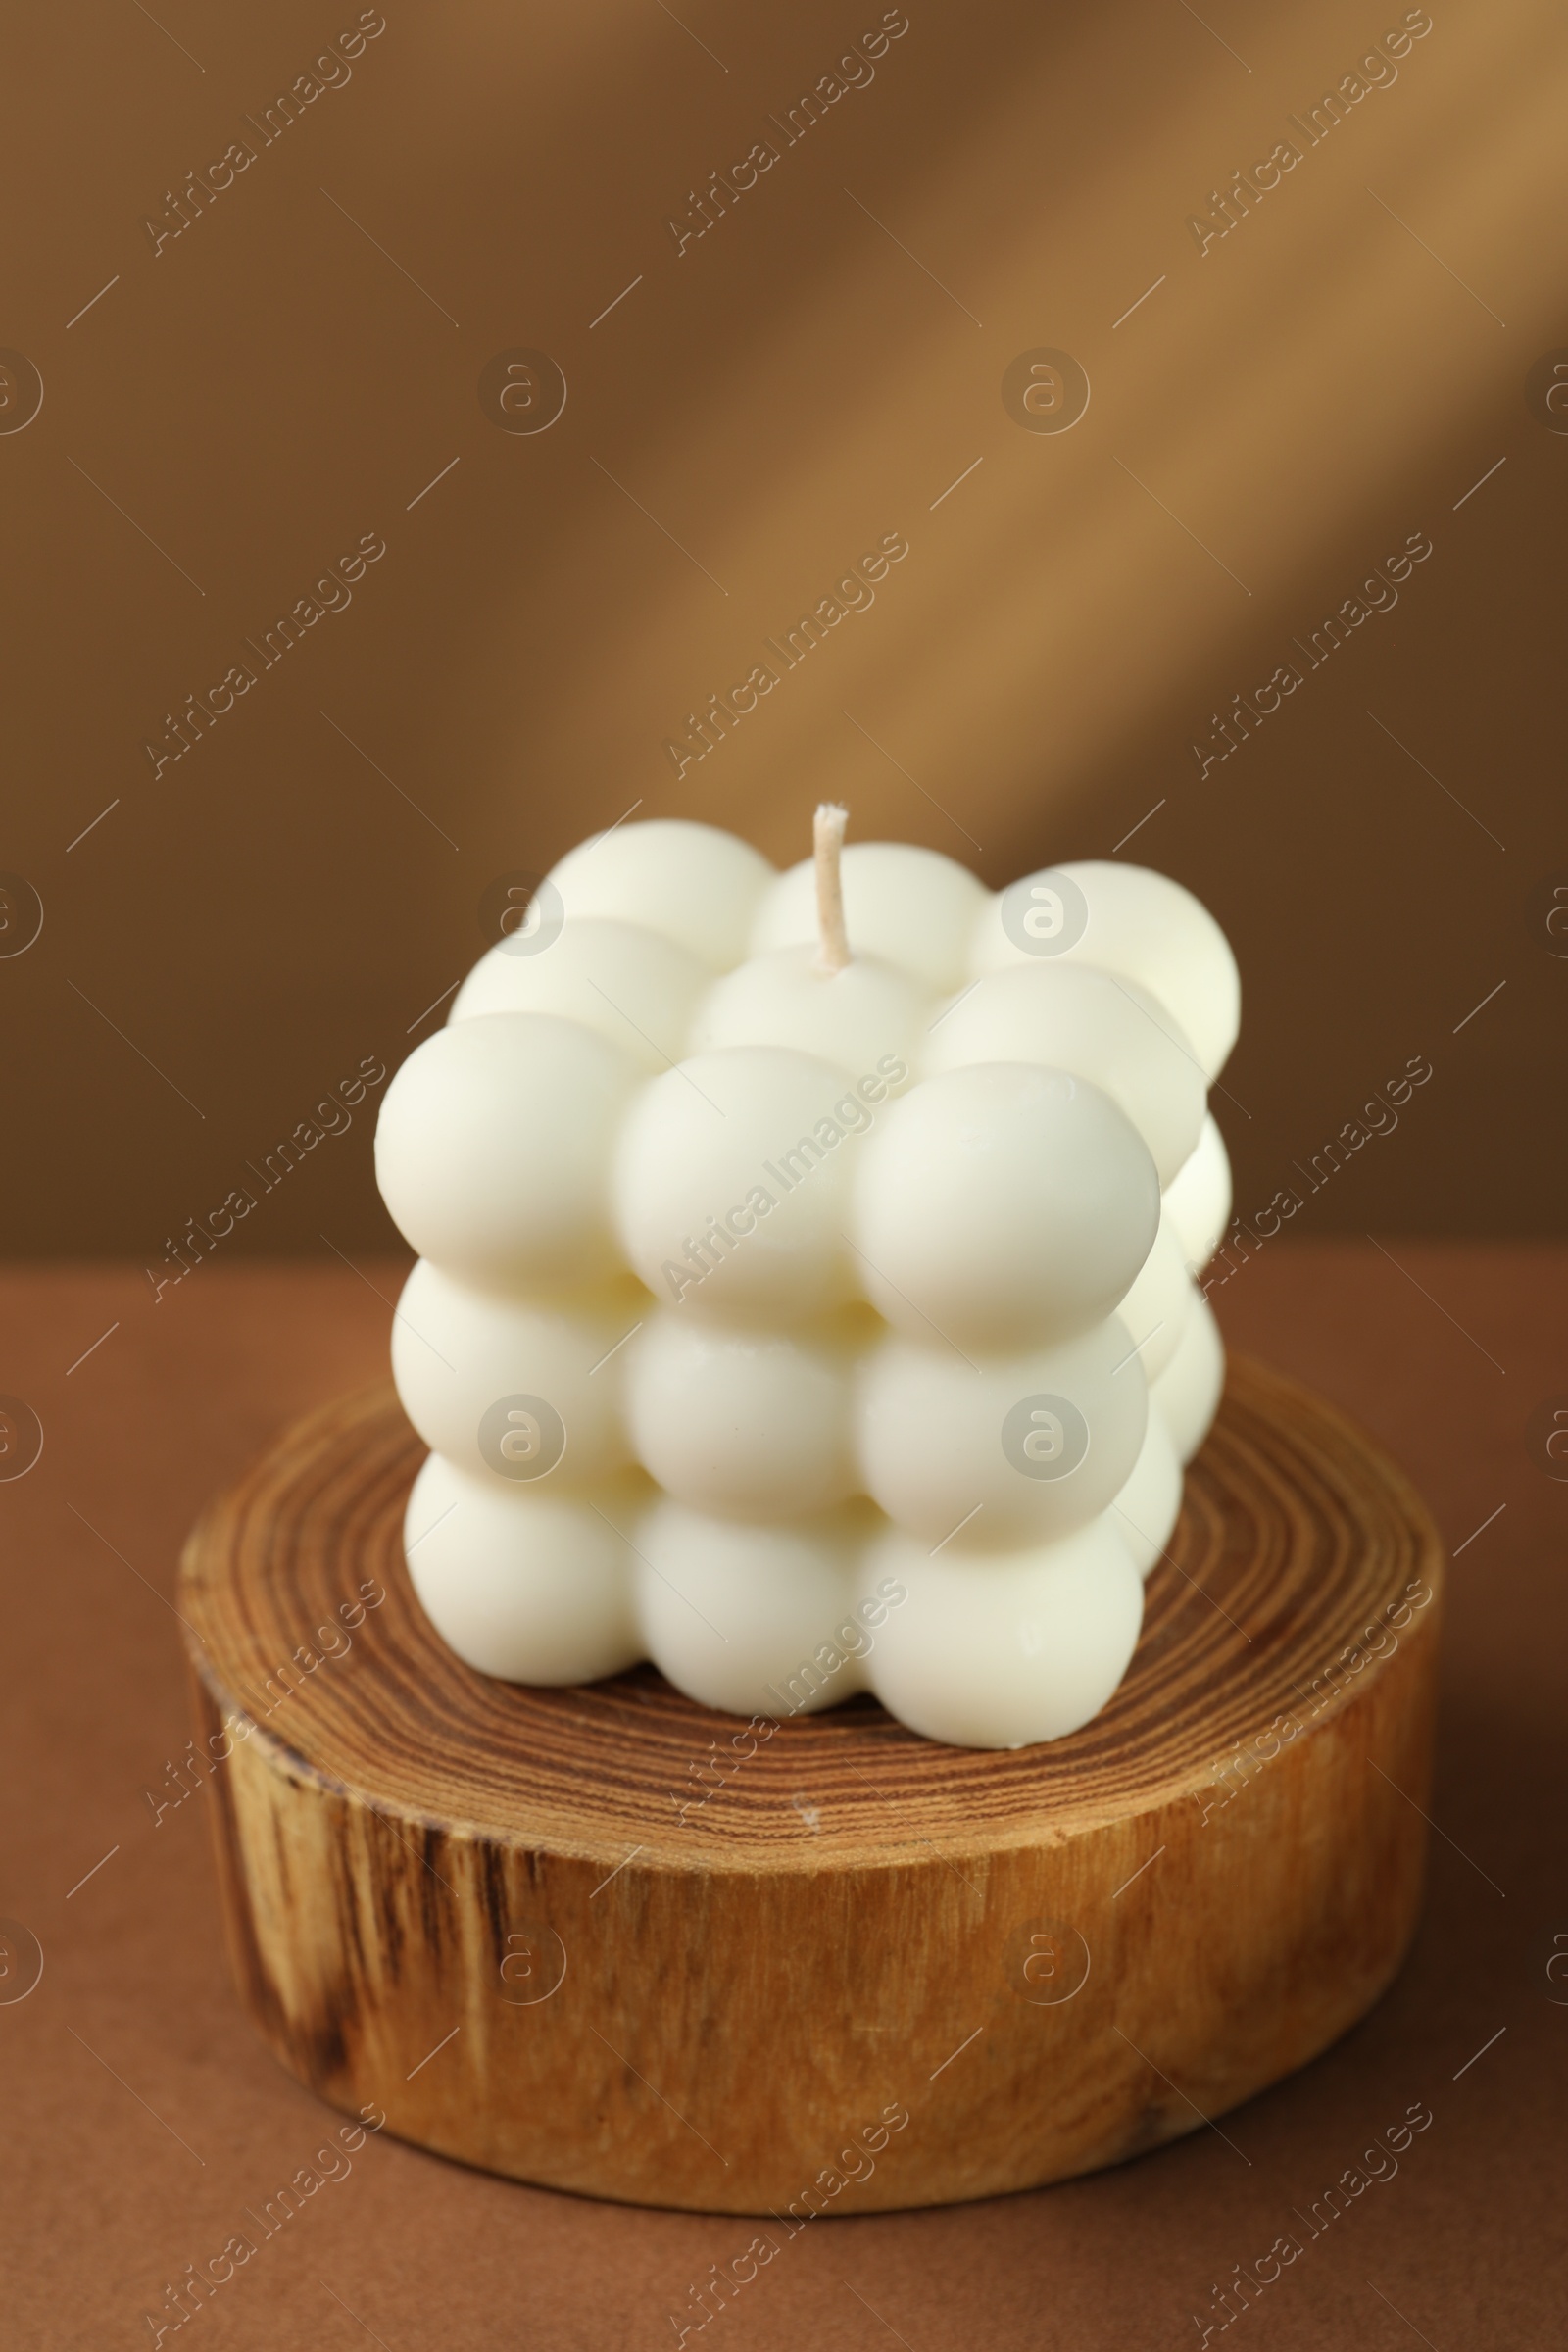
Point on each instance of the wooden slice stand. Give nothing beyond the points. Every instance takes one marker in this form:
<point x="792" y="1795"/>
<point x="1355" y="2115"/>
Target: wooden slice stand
<point x="479" y="1906"/>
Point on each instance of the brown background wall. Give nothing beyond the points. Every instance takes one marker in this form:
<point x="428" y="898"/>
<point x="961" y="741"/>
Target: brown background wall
<point x="235" y="933"/>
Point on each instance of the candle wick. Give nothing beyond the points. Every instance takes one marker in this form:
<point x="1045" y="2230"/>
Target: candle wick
<point x="833" y="945"/>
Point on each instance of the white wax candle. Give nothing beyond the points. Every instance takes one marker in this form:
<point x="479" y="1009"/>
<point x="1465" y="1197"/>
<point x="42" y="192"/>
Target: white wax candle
<point x="798" y="1305"/>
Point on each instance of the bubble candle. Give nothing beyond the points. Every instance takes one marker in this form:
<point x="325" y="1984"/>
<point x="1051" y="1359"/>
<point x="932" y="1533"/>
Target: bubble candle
<point x="806" y="1293"/>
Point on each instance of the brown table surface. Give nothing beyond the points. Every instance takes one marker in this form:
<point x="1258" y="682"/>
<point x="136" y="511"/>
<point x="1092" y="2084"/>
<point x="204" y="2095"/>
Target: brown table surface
<point x="142" y="2115"/>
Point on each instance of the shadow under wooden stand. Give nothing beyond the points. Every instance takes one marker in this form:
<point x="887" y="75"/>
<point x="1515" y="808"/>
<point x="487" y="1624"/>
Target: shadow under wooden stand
<point x="582" y="1937"/>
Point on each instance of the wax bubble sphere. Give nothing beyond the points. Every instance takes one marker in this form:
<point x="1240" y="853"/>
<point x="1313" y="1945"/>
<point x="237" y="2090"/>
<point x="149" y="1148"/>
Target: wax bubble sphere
<point x="807" y="1296"/>
<point x="1003" y="1203"/>
<point x="1125" y="921"/>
